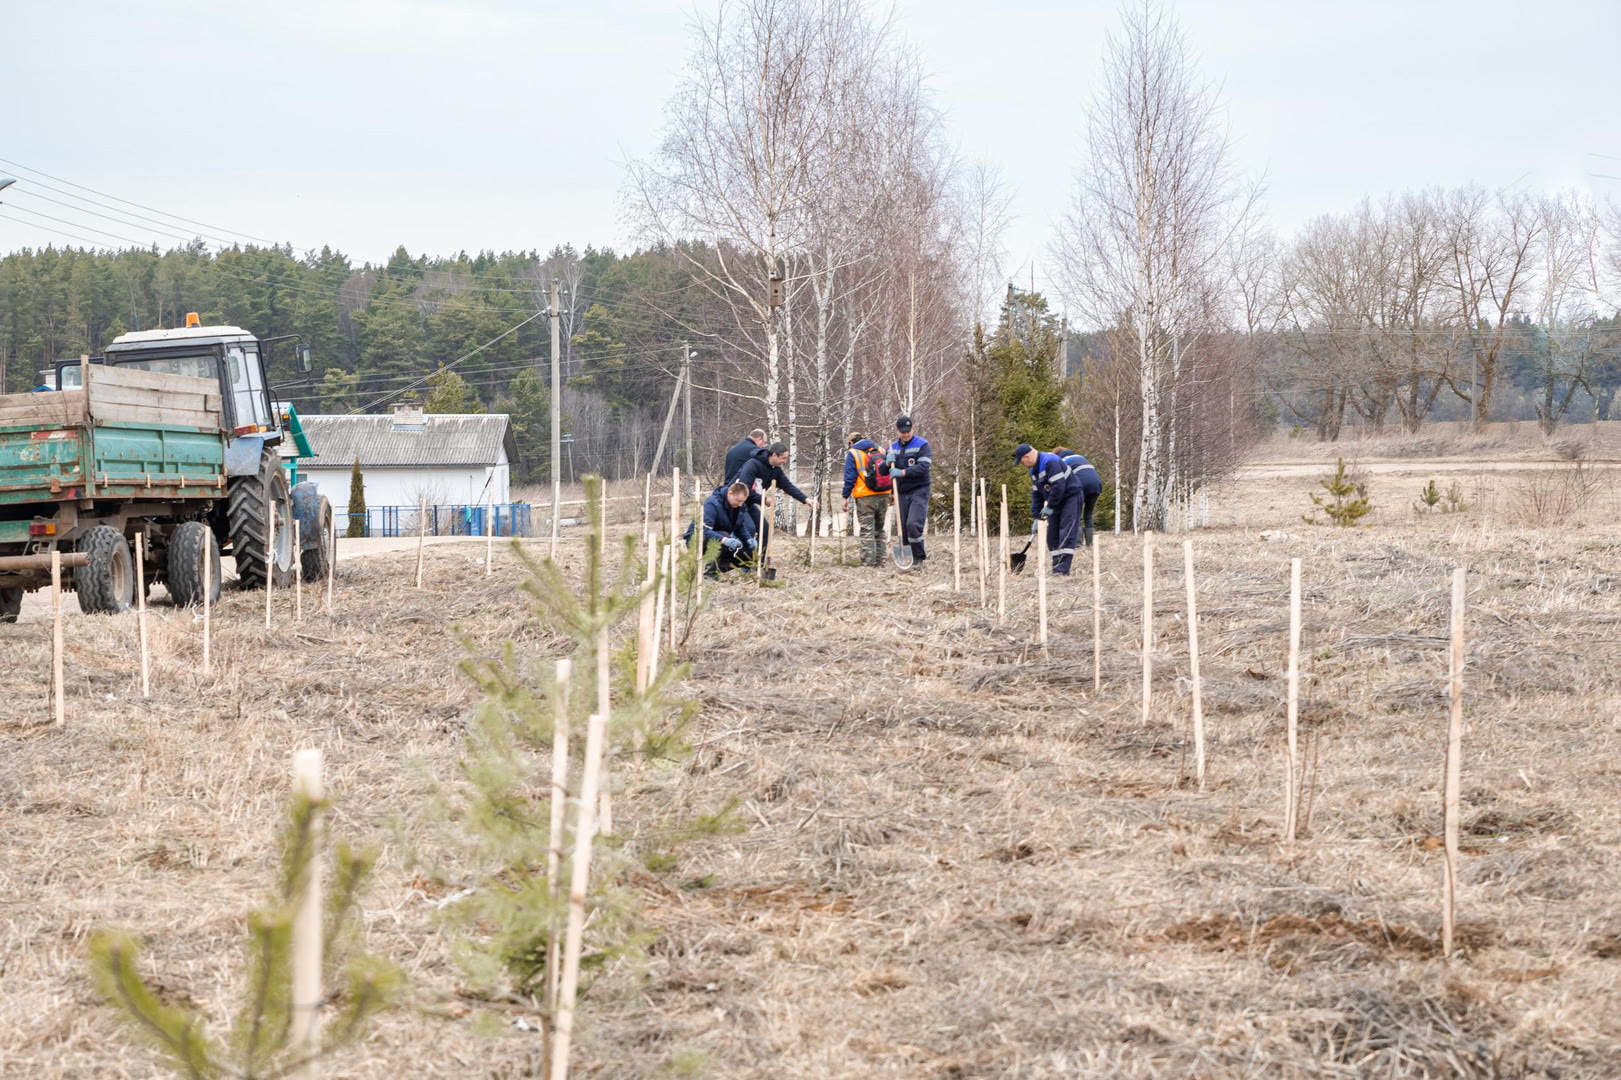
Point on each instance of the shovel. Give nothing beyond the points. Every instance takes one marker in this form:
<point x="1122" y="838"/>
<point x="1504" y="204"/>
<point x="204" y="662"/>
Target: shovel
<point x="902" y="551"/>
<point x="1016" y="560"/>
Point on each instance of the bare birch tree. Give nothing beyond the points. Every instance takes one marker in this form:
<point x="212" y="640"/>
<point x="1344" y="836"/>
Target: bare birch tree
<point x="1156" y="202"/>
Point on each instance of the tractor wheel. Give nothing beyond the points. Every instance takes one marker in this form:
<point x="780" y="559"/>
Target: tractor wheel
<point x="191" y="543"/>
<point x="250" y="502"/>
<point x="11" y="604"/>
<point x="107" y="584"/>
<point x="317" y="553"/>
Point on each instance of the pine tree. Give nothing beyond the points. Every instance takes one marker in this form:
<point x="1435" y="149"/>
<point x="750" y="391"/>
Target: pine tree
<point x="357" y="502"/>
<point x="501" y="816"/>
<point x="1346" y="500"/>
<point x="259" y="1045"/>
<point x="1019" y="395"/>
<point x="448" y="392"/>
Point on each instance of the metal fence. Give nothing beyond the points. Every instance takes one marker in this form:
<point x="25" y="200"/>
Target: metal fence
<point x="502" y="519"/>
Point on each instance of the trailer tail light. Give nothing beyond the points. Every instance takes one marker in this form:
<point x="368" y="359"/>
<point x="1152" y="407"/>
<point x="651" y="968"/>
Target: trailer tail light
<point x="42" y="528"/>
<point x="248" y="429"/>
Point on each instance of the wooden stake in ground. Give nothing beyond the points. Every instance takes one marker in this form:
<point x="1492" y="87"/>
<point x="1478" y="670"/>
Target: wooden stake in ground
<point x="270" y="559"/>
<point x="579" y="879"/>
<point x="298" y="575"/>
<point x="647" y="510"/>
<point x="1001" y="566"/>
<point x="306" y="961"/>
<point x="1097" y="619"/>
<point x="956" y="535"/>
<point x="1148" y="626"/>
<point x="1041" y="583"/>
<point x="331" y="570"/>
<point x="489" y="533"/>
<point x="675" y="545"/>
<point x="140" y="612"/>
<point x="1291" y="775"/>
<point x="208" y="589"/>
<point x="56" y="637"/>
<point x="554" y="852"/>
<point x="645" y="621"/>
<point x="665" y="586"/>
<point x="606" y="810"/>
<point x="979" y="542"/>
<point x="1454" y="768"/>
<point x="422" y="534"/>
<point x="810" y="550"/>
<point x="1193" y="665"/>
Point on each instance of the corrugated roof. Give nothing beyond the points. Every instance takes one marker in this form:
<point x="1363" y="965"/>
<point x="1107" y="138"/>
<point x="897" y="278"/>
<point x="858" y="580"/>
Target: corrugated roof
<point x="442" y="439"/>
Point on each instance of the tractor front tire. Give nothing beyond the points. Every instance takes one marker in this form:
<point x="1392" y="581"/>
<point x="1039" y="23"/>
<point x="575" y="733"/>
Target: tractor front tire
<point x="11" y="604"/>
<point x="191" y="543"/>
<point x="250" y="502"/>
<point x="106" y="585"/>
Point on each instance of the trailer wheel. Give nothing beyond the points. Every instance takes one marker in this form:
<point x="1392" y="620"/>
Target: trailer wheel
<point x="317" y="553"/>
<point x="250" y="501"/>
<point x="191" y="543"/>
<point x="106" y="585"/>
<point x="11" y="604"/>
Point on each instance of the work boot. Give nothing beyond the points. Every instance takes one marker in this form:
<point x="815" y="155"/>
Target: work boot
<point x="1086" y="535"/>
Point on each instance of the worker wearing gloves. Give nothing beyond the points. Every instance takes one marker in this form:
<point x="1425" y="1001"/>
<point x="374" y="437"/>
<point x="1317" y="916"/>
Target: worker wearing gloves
<point x="759" y="474"/>
<point x="1091" y="488"/>
<point x="909" y="464"/>
<point x="729" y="536"/>
<point x="1055" y="502"/>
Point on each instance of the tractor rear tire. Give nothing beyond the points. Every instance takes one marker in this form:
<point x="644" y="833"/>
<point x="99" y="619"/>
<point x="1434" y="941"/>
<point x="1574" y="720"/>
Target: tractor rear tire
<point x="250" y="501"/>
<point x="11" y="604"/>
<point x="317" y="553"/>
<point x="191" y="543"/>
<point x="106" y="585"/>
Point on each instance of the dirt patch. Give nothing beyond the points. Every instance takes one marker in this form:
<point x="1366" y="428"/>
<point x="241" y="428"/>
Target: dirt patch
<point x="1291" y="942"/>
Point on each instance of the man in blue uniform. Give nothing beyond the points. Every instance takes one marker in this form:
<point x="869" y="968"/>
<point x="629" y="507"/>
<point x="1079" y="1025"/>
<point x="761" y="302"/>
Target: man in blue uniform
<point x="1091" y="488"/>
<point x="759" y="474"/>
<point x="909" y="464"/>
<point x="1055" y="502"/>
<point x="741" y="452"/>
<point x="728" y="529"/>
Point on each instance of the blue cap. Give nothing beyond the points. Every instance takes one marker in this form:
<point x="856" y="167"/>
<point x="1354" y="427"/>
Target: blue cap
<point x="1024" y="448"/>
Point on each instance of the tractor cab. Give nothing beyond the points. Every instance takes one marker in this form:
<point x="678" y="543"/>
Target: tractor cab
<point x="227" y="355"/>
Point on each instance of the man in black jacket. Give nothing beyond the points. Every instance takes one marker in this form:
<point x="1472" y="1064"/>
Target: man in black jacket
<point x="760" y="474"/>
<point x="737" y="455"/>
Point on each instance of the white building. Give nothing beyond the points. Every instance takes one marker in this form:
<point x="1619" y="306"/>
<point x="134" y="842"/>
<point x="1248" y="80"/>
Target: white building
<point x="407" y="457"/>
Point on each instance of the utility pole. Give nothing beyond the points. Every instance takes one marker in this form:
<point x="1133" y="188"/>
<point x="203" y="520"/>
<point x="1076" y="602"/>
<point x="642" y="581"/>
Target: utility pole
<point x="557" y="411"/>
<point x="686" y="374"/>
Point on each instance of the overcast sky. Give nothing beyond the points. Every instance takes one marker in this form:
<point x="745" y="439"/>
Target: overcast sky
<point x="469" y="124"/>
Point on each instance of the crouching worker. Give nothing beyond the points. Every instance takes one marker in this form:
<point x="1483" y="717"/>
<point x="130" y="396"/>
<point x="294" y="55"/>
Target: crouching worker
<point x="728" y="530"/>
<point x="1055" y="502"/>
<point x="1091" y="488"/>
<point x="760" y="474"/>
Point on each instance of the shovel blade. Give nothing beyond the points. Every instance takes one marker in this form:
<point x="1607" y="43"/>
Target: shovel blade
<point x="902" y="554"/>
<point x="1016" y="562"/>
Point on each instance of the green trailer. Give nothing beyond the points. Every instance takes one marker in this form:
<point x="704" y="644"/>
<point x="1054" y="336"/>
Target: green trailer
<point x="158" y="442"/>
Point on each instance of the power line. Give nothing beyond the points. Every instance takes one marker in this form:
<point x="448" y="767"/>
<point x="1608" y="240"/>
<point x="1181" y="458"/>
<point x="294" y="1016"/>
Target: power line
<point x="127" y="202"/>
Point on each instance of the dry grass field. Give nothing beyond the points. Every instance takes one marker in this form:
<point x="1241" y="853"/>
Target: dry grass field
<point x="956" y="859"/>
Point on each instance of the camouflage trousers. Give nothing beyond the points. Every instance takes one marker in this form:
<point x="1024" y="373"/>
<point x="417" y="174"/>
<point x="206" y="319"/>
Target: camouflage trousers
<point x="870" y="511"/>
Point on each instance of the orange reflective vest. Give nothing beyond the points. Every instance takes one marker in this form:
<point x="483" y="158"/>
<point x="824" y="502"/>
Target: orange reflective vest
<point x="861" y="490"/>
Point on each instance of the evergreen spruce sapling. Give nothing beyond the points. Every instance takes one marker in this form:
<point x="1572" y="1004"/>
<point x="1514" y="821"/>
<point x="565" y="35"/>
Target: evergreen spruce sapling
<point x="513" y="907"/>
<point x="1346" y="500"/>
<point x="259" y="1044"/>
<point x="357" y="503"/>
